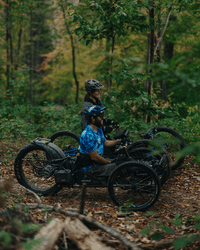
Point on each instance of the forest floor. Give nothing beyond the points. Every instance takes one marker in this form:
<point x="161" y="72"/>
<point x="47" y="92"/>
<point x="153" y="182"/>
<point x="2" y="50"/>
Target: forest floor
<point x="176" y="207"/>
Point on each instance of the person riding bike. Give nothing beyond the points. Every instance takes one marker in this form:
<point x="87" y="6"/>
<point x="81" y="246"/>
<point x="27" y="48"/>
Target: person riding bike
<point x="92" y="142"/>
<point x="92" y="97"/>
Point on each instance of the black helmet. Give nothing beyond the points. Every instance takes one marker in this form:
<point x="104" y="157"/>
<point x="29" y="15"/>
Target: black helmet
<point x="92" y="84"/>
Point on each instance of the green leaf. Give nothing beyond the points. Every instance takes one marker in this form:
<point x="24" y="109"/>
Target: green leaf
<point x="149" y="213"/>
<point x="30" y="227"/>
<point x="198" y="227"/>
<point x="145" y="231"/>
<point x="32" y="243"/>
<point x="178" y="222"/>
<point x="5" y="238"/>
<point x="185" y="240"/>
<point x="156" y="236"/>
<point x="168" y="230"/>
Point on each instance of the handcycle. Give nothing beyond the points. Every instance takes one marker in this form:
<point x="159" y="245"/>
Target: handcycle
<point x="44" y="168"/>
<point x="170" y="140"/>
<point x="139" y="153"/>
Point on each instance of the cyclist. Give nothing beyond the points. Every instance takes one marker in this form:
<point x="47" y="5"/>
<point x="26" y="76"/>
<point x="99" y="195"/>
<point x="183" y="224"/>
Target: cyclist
<point x="92" y="97"/>
<point x="93" y="141"/>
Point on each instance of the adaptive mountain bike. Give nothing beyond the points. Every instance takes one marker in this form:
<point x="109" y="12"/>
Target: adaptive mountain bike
<point x="44" y="168"/>
<point x="166" y="137"/>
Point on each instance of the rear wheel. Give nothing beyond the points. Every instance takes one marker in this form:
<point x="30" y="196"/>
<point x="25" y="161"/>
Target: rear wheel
<point x="33" y="170"/>
<point x="134" y="186"/>
<point x="160" y="163"/>
<point x="67" y="141"/>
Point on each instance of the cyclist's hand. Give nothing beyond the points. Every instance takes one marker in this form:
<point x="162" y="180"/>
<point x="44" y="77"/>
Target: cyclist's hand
<point x="107" y="121"/>
<point x="113" y="160"/>
<point x="116" y="124"/>
<point x="121" y="141"/>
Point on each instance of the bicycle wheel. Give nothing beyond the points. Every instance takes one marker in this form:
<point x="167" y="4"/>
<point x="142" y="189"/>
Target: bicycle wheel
<point x="134" y="186"/>
<point x="67" y="141"/>
<point x="160" y="163"/>
<point x="31" y="165"/>
<point x="171" y="140"/>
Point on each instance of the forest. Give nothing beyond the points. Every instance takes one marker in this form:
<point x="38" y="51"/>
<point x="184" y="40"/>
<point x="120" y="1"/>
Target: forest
<point x="146" y="53"/>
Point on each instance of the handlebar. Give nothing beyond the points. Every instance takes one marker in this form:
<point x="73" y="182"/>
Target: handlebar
<point x="150" y="134"/>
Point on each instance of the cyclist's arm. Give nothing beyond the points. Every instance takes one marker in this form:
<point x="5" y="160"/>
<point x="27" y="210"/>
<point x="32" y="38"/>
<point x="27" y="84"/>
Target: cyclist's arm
<point x="98" y="158"/>
<point x="110" y="143"/>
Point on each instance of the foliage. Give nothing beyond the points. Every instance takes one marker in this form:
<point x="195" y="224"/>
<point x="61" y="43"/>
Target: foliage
<point x="5" y="238"/>
<point x="157" y="230"/>
<point x="31" y="122"/>
<point x="110" y="19"/>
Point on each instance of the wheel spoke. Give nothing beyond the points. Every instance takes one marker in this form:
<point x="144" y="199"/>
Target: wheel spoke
<point x="138" y="187"/>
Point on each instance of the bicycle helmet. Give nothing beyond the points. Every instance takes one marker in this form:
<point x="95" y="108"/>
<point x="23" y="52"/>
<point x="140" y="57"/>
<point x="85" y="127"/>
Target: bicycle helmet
<point x="92" y="84"/>
<point x="93" y="110"/>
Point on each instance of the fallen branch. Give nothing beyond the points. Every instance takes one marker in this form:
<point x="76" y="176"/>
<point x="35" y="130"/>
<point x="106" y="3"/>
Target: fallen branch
<point x="65" y="241"/>
<point x="88" y="220"/>
<point x="161" y="244"/>
<point x="31" y="192"/>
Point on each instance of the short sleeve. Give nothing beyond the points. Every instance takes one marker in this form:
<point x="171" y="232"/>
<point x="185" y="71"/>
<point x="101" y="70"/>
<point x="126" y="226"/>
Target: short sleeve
<point x="103" y="139"/>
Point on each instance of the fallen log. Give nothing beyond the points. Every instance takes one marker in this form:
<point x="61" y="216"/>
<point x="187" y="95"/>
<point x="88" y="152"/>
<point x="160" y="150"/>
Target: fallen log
<point x="89" y="221"/>
<point x="84" y="239"/>
<point x="49" y="235"/>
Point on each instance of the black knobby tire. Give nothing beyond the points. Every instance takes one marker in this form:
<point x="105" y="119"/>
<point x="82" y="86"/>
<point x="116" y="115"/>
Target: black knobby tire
<point x="175" y="141"/>
<point x="28" y="165"/>
<point x="134" y="186"/>
<point x="160" y="162"/>
<point x="165" y="136"/>
<point x="66" y="140"/>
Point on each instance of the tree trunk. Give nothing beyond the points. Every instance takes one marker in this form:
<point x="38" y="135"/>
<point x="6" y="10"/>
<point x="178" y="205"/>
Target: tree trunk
<point x="150" y="55"/>
<point x="111" y="63"/>
<point x="7" y="46"/>
<point x="73" y="54"/>
<point x="107" y="59"/>
<point x="159" y="55"/>
<point x="169" y="46"/>
<point x="31" y="58"/>
<point x="18" y="48"/>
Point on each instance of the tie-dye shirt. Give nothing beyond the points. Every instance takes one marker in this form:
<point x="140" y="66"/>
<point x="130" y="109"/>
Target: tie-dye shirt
<point x="91" y="140"/>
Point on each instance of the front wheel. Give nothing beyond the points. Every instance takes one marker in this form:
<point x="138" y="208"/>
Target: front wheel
<point x="159" y="162"/>
<point x="134" y="186"/>
<point x="171" y="140"/>
<point x="31" y="165"/>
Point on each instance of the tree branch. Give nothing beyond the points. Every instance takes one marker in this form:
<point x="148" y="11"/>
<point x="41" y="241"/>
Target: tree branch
<point x="160" y="39"/>
<point x="90" y="221"/>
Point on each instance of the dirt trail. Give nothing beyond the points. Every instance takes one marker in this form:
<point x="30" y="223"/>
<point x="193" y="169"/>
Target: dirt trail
<point x="180" y="197"/>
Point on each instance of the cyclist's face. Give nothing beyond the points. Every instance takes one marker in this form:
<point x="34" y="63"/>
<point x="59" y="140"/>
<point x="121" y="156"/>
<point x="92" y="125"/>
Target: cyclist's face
<point x="96" y="93"/>
<point x="98" y="120"/>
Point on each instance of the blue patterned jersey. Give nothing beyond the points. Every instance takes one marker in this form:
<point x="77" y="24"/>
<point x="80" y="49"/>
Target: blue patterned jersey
<point x="91" y="140"/>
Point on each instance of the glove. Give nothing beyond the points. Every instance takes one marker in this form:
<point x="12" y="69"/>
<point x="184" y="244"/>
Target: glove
<point x="115" y="123"/>
<point x="121" y="141"/>
<point x="107" y="121"/>
<point x="113" y="160"/>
